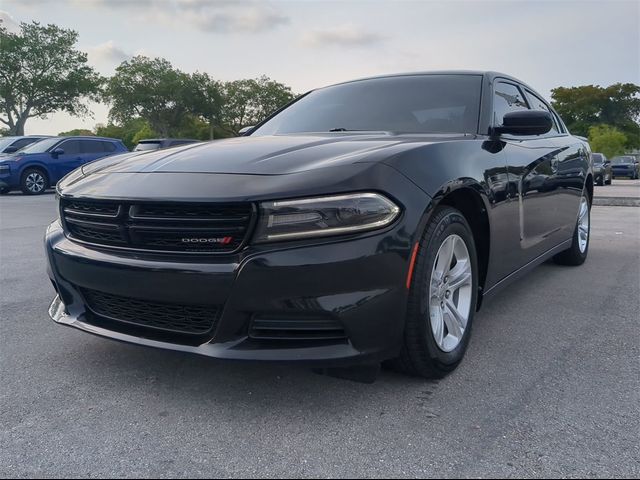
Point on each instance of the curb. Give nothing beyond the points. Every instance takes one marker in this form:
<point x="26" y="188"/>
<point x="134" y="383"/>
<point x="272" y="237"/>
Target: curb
<point x="616" y="202"/>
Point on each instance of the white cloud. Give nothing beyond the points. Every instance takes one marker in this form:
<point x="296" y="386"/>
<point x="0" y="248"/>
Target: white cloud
<point x="344" y="35"/>
<point x="107" y="56"/>
<point x="8" y="22"/>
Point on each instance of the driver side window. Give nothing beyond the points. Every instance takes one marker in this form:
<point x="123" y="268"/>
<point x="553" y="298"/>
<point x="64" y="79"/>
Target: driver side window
<point x="507" y="98"/>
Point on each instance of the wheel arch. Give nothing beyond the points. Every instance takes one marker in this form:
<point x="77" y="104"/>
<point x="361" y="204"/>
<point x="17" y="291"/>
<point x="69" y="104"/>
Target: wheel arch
<point x="470" y="200"/>
<point x="589" y="187"/>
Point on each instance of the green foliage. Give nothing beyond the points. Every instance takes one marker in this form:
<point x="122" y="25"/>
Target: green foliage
<point x="248" y="102"/>
<point x="150" y="89"/>
<point x="205" y="100"/>
<point x="143" y="133"/>
<point x="617" y="105"/>
<point x="127" y="131"/>
<point x="76" y="132"/>
<point x="41" y="73"/>
<point x="608" y="140"/>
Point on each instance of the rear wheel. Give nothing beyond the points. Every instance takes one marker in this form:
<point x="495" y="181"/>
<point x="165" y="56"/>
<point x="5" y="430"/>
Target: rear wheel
<point x="577" y="253"/>
<point x="600" y="181"/>
<point x="608" y="180"/>
<point x="442" y="298"/>
<point x="34" y="181"/>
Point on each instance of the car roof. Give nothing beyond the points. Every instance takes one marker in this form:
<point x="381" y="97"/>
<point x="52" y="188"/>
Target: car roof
<point x="90" y="137"/>
<point x="168" y="139"/>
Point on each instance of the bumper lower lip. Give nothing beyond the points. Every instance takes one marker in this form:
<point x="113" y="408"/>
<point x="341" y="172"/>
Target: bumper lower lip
<point x="356" y="282"/>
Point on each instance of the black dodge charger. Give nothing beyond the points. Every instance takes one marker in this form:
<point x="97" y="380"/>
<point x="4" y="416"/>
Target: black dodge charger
<point x="363" y="222"/>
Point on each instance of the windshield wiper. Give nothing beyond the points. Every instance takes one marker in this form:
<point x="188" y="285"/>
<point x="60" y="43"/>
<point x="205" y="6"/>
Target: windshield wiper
<point x="342" y="129"/>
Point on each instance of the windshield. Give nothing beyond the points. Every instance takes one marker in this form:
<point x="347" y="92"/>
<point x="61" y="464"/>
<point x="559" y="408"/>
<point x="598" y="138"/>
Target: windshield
<point x="404" y="104"/>
<point x="147" y="146"/>
<point x="41" y="146"/>
<point x="597" y="158"/>
<point x="5" y="142"/>
<point x="624" y="159"/>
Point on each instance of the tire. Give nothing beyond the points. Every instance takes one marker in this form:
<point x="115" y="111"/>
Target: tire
<point x="608" y="182"/>
<point x="577" y="253"/>
<point x="425" y="353"/>
<point x="600" y="181"/>
<point x="34" y="181"/>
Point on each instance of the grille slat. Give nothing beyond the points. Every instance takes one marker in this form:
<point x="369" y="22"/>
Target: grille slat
<point x="188" y="228"/>
<point x="185" y="319"/>
<point x="297" y="329"/>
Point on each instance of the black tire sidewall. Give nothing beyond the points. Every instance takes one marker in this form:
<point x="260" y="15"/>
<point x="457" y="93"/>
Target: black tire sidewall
<point x="452" y="223"/>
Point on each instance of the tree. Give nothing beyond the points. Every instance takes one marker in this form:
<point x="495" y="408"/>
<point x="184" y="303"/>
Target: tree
<point x="126" y="131"/>
<point x="152" y="90"/>
<point x="206" y="99"/>
<point x="248" y="102"/>
<point x="617" y="105"/>
<point x="41" y="73"/>
<point x="608" y="140"/>
<point x="76" y="132"/>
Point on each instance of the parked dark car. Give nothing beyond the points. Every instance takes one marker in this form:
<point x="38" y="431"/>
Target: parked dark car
<point x="40" y="165"/>
<point x="366" y="221"/>
<point x="625" y="166"/>
<point x="13" y="144"/>
<point x="161" y="143"/>
<point x="601" y="169"/>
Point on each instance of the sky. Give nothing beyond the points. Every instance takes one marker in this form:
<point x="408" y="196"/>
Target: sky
<point x="308" y="44"/>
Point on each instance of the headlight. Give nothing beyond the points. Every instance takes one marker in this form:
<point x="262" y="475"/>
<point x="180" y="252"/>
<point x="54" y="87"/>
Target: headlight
<point x="322" y="216"/>
<point x="4" y="168"/>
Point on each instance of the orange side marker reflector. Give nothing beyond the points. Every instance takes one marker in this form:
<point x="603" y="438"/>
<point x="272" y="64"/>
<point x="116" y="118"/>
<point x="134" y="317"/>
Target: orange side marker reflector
<point x="411" y="265"/>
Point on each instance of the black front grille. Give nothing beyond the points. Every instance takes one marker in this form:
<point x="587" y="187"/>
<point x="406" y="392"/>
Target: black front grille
<point x="319" y="329"/>
<point x="198" y="228"/>
<point x="190" y="319"/>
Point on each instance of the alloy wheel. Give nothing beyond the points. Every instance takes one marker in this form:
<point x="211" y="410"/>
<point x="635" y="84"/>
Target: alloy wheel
<point x="450" y="293"/>
<point x="583" y="224"/>
<point x="35" y="182"/>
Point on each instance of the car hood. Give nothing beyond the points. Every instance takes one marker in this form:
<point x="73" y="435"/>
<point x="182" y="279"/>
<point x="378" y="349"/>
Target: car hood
<point x="268" y="155"/>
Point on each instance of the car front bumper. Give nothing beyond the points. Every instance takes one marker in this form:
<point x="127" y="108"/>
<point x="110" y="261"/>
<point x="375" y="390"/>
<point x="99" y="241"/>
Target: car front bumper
<point x="357" y="283"/>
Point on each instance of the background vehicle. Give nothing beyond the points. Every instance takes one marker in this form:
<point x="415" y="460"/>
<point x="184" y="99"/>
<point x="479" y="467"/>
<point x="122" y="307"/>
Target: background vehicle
<point x="40" y="165"/>
<point x="360" y="224"/>
<point x="601" y="169"/>
<point x="13" y="144"/>
<point x="160" y="143"/>
<point x="625" y="166"/>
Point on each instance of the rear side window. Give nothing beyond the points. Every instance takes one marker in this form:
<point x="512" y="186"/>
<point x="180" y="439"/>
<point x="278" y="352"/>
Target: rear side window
<point x="507" y="98"/>
<point x="92" y="146"/>
<point x="108" y="147"/>
<point x="71" y="147"/>
<point x="538" y="104"/>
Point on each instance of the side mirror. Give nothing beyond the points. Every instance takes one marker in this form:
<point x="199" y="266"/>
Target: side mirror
<point x="246" y="130"/>
<point x="56" y="152"/>
<point x="11" y="149"/>
<point x="525" y="122"/>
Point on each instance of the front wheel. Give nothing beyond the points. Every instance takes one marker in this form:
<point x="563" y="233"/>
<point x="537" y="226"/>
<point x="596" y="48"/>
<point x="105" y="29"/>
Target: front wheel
<point x="577" y="253"/>
<point x="34" y="181"/>
<point x="442" y="297"/>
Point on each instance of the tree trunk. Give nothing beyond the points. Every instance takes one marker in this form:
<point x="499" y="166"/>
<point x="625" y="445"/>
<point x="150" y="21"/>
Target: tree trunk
<point x="19" y="127"/>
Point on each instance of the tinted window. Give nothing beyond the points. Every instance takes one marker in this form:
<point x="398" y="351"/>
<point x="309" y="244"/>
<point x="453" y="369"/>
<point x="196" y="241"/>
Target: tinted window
<point x="147" y="146"/>
<point x="71" y="147"/>
<point x="538" y="104"/>
<point x="92" y="146"/>
<point x="108" y="147"/>
<point x="405" y="104"/>
<point x="23" y="142"/>
<point x="597" y="158"/>
<point x="623" y="159"/>
<point x="507" y="98"/>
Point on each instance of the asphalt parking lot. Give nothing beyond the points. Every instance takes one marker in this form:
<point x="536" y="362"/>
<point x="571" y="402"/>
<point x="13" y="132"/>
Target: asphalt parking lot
<point x="549" y="387"/>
